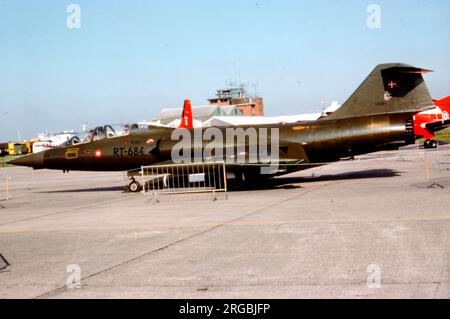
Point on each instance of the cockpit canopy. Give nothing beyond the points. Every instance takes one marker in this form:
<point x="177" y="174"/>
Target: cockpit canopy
<point x="109" y="131"/>
<point x="101" y="133"/>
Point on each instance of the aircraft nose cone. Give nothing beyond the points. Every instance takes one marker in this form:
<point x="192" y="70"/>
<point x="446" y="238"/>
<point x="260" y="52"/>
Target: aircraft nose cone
<point x="35" y="160"/>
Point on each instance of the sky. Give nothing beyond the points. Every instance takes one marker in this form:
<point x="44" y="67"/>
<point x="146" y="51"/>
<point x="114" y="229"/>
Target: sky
<point x="130" y="59"/>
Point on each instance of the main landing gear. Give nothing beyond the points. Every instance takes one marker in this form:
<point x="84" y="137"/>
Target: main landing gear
<point x="134" y="186"/>
<point x="430" y="144"/>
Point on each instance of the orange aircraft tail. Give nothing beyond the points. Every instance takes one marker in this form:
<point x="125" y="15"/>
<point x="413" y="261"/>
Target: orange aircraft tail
<point x="186" y="118"/>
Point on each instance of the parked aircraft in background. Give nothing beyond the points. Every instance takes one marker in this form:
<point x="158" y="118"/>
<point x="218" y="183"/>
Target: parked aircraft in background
<point x="427" y="123"/>
<point x="44" y="143"/>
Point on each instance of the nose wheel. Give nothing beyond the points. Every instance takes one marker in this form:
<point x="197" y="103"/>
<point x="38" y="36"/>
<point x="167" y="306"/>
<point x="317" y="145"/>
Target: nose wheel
<point x="134" y="186"/>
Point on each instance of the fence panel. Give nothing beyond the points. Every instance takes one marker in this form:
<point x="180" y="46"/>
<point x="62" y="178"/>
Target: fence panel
<point x="183" y="178"/>
<point x="5" y="187"/>
<point x="437" y="166"/>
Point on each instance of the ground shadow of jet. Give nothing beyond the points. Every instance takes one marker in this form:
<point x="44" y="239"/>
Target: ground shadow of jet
<point x="287" y="182"/>
<point x="284" y="182"/>
<point x="86" y="190"/>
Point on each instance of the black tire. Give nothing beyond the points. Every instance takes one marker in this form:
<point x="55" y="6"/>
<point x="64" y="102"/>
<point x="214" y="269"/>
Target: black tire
<point x="433" y="144"/>
<point x="426" y="144"/>
<point x="134" y="187"/>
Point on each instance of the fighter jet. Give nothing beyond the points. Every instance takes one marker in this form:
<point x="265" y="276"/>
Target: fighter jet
<point x="377" y="116"/>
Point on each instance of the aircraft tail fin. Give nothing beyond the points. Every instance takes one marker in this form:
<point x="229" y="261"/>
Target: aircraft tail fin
<point x="187" y="120"/>
<point x="389" y="89"/>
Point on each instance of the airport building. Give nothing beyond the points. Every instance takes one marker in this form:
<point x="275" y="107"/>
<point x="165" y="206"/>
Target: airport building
<point x="227" y="102"/>
<point x="237" y="97"/>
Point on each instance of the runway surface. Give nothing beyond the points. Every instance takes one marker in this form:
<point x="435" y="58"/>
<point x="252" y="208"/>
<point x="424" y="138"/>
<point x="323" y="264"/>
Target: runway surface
<point x="318" y="233"/>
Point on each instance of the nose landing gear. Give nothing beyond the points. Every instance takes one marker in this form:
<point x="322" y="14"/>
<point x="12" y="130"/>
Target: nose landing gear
<point x="134" y="186"/>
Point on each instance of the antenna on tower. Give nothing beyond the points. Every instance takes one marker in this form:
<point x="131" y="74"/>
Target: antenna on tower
<point x="239" y="75"/>
<point x="322" y="103"/>
<point x="255" y="88"/>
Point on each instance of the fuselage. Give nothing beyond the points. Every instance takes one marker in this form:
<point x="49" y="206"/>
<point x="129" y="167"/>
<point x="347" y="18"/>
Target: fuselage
<point x="314" y="142"/>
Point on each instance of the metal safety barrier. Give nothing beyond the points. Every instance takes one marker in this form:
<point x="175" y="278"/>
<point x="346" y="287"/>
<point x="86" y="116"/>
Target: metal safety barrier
<point x="437" y="166"/>
<point x="5" y="186"/>
<point x="184" y="179"/>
